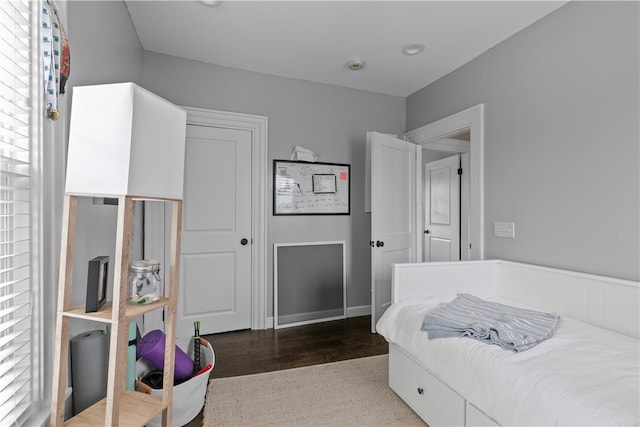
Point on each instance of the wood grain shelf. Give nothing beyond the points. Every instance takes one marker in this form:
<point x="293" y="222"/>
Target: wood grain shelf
<point x="105" y="314"/>
<point x="136" y="409"/>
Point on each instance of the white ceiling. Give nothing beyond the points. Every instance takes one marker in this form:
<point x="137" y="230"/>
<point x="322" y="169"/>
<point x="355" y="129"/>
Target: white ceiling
<point x="313" y="40"/>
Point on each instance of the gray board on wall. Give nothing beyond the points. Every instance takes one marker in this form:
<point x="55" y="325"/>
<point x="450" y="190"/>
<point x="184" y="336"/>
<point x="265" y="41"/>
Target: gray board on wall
<point x="309" y="283"/>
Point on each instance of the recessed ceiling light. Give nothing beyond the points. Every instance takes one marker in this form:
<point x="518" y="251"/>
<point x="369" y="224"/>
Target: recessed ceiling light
<point x="356" y="64"/>
<point x="212" y="3"/>
<point x="413" y="49"/>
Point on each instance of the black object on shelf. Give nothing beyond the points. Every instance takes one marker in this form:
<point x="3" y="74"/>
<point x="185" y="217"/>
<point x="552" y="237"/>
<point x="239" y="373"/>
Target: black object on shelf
<point x="196" y="348"/>
<point x="96" y="283"/>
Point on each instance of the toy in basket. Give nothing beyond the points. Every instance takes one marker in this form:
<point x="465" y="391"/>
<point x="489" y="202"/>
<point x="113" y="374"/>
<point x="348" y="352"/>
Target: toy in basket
<point x="188" y="395"/>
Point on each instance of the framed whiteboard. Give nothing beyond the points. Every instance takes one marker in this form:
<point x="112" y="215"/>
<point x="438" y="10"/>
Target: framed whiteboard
<point x="311" y="188"/>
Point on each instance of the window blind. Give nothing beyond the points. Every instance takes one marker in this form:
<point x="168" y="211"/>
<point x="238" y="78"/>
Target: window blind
<point x="17" y="289"/>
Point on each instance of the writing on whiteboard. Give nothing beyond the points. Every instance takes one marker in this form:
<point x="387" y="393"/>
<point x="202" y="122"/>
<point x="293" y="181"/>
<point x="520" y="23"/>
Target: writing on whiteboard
<point x="311" y="188"/>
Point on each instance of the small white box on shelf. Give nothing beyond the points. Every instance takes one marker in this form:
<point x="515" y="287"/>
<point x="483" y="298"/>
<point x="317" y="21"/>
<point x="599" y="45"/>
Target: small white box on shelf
<point x="125" y="140"/>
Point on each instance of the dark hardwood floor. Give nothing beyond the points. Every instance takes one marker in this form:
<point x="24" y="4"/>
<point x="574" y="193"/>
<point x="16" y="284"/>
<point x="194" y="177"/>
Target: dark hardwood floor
<point x="251" y="352"/>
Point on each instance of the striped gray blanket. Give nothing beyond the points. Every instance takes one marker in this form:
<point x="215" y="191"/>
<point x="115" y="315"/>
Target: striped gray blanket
<point x="512" y="328"/>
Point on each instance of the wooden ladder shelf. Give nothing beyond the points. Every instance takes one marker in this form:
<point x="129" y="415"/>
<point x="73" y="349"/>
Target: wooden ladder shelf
<point x="120" y="406"/>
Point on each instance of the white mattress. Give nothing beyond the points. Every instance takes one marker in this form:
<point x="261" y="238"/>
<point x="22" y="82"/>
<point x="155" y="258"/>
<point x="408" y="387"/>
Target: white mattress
<point x="583" y="375"/>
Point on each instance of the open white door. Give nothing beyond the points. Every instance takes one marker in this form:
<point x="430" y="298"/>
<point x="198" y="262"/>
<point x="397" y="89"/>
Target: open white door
<point x="393" y="214"/>
<point x="442" y="210"/>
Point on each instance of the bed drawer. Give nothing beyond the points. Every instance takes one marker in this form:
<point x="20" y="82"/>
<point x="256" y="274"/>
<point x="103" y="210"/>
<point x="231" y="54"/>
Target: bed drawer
<point x="433" y="401"/>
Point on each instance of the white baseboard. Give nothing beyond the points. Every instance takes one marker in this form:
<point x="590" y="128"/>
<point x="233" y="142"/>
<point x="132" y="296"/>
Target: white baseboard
<point x="363" y="310"/>
<point x="298" y="319"/>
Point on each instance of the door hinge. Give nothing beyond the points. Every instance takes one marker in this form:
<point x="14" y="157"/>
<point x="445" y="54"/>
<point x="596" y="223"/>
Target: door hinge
<point x="459" y="171"/>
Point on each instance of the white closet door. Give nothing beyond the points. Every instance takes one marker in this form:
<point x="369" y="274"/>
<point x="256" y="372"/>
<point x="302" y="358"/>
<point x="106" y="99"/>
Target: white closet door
<point x="442" y="207"/>
<point x="393" y="213"/>
<point x="215" y="266"/>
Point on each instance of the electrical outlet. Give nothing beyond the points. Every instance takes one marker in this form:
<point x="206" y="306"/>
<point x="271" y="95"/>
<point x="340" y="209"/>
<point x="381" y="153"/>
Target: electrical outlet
<point x="504" y="229"/>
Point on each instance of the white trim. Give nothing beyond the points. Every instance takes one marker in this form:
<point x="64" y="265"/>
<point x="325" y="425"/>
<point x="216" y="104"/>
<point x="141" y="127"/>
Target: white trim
<point x="419" y="207"/>
<point x="471" y="119"/>
<point x="465" y="210"/>
<point x="301" y="319"/>
<point x="269" y="323"/>
<point x="362" y="310"/>
<point x="44" y="173"/>
<point x="448" y="145"/>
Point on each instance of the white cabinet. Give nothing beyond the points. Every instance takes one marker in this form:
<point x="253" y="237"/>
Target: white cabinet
<point x="424" y="393"/>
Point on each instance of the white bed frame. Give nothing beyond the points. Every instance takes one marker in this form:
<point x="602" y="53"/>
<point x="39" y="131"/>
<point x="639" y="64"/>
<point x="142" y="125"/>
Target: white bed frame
<point x="606" y="302"/>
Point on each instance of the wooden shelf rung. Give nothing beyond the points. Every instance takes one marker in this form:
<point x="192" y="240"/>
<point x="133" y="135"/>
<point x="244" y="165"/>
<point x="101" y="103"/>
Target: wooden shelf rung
<point x="105" y="313"/>
<point x="136" y="409"/>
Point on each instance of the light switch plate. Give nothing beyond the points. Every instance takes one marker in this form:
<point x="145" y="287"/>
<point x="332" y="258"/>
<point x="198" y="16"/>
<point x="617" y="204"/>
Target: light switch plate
<point x="504" y="229"/>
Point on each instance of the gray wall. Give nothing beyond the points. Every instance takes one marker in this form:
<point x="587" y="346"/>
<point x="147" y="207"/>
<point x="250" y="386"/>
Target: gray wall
<point x="104" y="44"/>
<point x="329" y="120"/>
<point x="104" y="49"/>
<point x="310" y="283"/>
<point x="561" y="139"/>
<point x="562" y="132"/>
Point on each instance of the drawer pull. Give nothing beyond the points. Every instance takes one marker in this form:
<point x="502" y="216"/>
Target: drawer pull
<point x="420" y="390"/>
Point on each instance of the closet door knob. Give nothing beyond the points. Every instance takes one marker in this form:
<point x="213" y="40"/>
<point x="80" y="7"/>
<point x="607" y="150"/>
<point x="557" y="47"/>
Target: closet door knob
<point x="420" y="390"/>
<point x="379" y="243"/>
<point x="243" y="242"/>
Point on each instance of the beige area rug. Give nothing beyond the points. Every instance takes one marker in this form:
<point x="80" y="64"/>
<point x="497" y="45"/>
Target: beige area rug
<point x="348" y="393"/>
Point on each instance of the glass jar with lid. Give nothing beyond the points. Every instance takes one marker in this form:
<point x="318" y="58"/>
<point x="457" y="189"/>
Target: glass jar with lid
<point x="145" y="284"/>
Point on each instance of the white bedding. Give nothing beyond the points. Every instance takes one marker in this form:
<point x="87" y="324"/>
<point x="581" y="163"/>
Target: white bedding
<point x="582" y="375"/>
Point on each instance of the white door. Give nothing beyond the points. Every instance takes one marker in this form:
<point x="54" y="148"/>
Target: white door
<point x="393" y="224"/>
<point x="215" y="266"/>
<point x="442" y="210"/>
